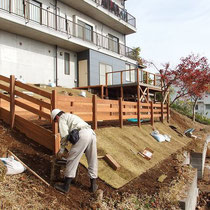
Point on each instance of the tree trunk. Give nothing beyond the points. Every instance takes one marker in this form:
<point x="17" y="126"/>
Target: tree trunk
<point x="195" y="103"/>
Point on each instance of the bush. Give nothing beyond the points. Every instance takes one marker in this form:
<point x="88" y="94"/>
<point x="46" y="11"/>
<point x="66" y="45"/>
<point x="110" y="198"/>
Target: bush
<point x="185" y="108"/>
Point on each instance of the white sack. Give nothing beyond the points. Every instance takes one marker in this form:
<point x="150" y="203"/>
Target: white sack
<point x="13" y="166"/>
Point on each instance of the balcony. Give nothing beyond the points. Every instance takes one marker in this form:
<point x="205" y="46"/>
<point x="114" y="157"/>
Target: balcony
<point x="110" y="14"/>
<point x="58" y="26"/>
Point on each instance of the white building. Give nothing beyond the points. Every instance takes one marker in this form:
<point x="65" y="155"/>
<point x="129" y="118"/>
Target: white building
<point x="69" y="42"/>
<point x="203" y="105"/>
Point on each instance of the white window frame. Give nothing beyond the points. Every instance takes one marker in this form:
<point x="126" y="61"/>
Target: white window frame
<point x="67" y="71"/>
<point x="130" y="75"/>
<point x="102" y="75"/>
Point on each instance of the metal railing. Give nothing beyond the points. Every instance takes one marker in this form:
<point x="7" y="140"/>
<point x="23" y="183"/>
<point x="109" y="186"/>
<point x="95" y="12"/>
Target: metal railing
<point x="117" y="11"/>
<point x="44" y="17"/>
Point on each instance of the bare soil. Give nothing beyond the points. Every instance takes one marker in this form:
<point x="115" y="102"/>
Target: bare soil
<point x="25" y="191"/>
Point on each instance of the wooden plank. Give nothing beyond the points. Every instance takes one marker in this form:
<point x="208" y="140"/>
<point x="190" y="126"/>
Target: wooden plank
<point x="84" y="113"/>
<point x="3" y="87"/>
<point x="94" y="112"/>
<point x="152" y="114"/>
<point x="129" y="103"/>
<point x="57" y="143"/>
<point x="5" y="79"/>
<point x="157" y="115"/>
<point x="145" y="116"/>
<point x="33" y="172"/>
<point x="108" y="117"/>
<point x="54" y="101"/>
<point x="33" y="89"/>
<point x="106" y="101"/>
<point x="35" y="132"/>
<point x="79" y="109"/>
<point x="5" y="97"/>
<point x="33" y="100"/>
<point x="108" y="110"/>
<point x="162" y="113"/>
<point x="156" y="110"/>
<point x="74" y="99"/>
<point x="12" y="100"/>
<point x="145" y="104"/>
<point x="138" y="112"/>
<point x="129" y="110"/>
<point x="5" y="115"/>
<point x="112" y="162"/>
<point x="33" y="110"/>
<point x="145" y="110"/>
<point x="157" y="105"/>
<point x="120" y="112"/>
<point x="129" y="116"/>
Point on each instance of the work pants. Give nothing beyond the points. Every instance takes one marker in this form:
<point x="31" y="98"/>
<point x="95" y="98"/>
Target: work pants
<point x="87" y="144"/>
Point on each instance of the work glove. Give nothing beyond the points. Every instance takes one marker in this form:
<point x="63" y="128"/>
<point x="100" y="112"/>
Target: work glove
<point x="60" y="153"/>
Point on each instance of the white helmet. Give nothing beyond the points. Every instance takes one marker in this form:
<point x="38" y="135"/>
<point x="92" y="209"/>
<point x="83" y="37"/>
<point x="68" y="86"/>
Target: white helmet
<point x="54" y="113"/>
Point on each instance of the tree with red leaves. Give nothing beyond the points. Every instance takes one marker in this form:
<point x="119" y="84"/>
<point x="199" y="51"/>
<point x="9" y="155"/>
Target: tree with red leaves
<point x="191" y="77"/>
<point x="195" y="77"/>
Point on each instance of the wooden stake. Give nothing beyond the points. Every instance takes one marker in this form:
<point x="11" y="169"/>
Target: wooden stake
<point x="34" y="173"/>
<point x="12" y="101"/>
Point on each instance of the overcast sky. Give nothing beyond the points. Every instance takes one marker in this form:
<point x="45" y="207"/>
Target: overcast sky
<point x="170" y="29"/>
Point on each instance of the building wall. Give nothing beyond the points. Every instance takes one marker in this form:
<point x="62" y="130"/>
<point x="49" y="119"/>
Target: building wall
<point x="34" y="61"/>
<point x="96" y="58"/>
<point x="204" y="105"/>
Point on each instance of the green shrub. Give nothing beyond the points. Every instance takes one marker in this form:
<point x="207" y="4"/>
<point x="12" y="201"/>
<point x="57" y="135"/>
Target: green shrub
<point x="185" y="108"/>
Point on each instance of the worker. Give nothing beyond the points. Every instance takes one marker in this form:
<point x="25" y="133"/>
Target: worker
<point x="85" y="142"/>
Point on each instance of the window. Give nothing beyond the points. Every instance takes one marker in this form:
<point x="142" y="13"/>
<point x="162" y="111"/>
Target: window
<point x="207" y="106"/>
<point x="130" y="75"/>
<point x="85" y="31"/>
<point x="66" y="63"/>
<point x="104" y="68"/>
<point x="35" y="11"/>
<point x="113" y="43"/>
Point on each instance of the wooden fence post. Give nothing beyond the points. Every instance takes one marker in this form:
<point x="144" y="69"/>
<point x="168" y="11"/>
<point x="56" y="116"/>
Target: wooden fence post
<point x="94" y="101"/>
<point x="138" y="113"/>
<point x="168" y="109"/>
<point x="54" y="106"/>
<point x="55" y="124"/>
<point x="41" y="109"/>
<point x="120" y="112"/>
<point x="152" y="113"/>
<point x="161" y="119"/>
<point x="12" y="100"/>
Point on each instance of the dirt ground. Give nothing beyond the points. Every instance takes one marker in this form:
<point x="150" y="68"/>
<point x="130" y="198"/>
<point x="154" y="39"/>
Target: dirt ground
<point x="25" y="191"/>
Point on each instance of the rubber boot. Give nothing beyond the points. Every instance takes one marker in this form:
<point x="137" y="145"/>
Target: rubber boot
<point x="93" y="186"/>
<point x="65" y="186"/>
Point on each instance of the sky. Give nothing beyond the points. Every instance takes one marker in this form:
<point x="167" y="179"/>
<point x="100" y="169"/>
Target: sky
<point x="170" y="29"/>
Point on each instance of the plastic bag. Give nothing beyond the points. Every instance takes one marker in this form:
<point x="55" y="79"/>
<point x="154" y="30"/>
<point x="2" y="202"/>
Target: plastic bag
<point x="13" y="166"/>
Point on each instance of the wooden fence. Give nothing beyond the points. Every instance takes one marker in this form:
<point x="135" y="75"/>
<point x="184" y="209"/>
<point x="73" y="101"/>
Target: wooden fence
<point x="96" y="110"/>
<point x="19" y="109"/>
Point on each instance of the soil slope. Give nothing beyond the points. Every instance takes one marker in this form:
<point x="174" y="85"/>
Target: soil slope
<point x="25" y="191"/>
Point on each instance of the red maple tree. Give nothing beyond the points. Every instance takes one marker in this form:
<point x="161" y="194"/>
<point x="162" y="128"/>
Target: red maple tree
<point x="191" y="77"/>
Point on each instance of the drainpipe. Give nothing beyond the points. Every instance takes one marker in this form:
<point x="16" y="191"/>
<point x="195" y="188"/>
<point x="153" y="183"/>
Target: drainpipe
<point x="56" y="65"/>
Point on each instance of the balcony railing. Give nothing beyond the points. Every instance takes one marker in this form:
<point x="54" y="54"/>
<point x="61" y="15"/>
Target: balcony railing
<point x="44" y="17"/>
<point x="138" y="76"/>
<point x="117" y="11"/>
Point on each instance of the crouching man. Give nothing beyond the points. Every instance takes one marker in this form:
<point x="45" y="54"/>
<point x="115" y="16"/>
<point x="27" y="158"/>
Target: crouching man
<point x="72" y="128"/>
